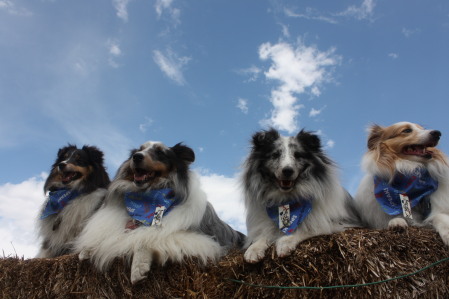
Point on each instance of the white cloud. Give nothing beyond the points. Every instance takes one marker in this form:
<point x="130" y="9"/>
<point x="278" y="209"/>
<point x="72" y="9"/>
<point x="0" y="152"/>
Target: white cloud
<point x="242" y="104"/>
<point x="364" y="11"/>
<point x="11" y="8"/>
<point x="393" y="55"/>
<point x="409" y="32"/>
<point x="166" y="7"/>
<point x="19" y="208"/>
<point x="148" y="123"/>
<point x="121" y="6"/>
<point x="310" y="14"/>
<point x="315" y="112"/>
<point x="330" y="143"/>
<point x="171" y="65"/>
<point x="20" y="205"/>
<point x="297" y="71"/>
<point x="114" y="52"/>
<point x="253" y="72"/>
<point x="225" y="195"/>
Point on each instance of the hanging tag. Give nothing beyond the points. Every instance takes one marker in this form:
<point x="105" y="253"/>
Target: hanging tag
<point x="158" y="213"/>
<point x="406" y="208"/>
<point x="284" y="216"/>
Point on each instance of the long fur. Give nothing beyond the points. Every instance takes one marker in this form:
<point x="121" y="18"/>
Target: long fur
<point x="387" y="154"/>
<point x="280" y="169"/>
<point x="75" y="169"/>
<point x="191" y="229"/>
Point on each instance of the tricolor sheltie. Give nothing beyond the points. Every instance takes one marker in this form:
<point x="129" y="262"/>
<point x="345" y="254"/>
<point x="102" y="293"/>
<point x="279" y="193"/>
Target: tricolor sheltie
<point x="75" y="189"/>
<point x="155" y="211"/>
<point x="406" y="181"/>
<point x="292" y="193"/>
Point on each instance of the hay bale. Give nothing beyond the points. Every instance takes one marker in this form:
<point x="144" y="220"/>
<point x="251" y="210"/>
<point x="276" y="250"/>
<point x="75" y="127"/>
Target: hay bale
<point x="352" y="257"/>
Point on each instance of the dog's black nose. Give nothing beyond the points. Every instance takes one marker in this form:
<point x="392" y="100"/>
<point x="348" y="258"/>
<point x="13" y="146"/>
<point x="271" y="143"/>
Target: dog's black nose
<point x="62" y="165"/>
<point x="435" y="134"/>
<point x="138" y="157"/>
<point x="287" y="171"/>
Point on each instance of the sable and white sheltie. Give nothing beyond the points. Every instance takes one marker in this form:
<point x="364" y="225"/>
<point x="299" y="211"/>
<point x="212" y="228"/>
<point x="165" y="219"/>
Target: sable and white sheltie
<point x="406" y="181"/>
<point x="155" y="211"/>
<point x="75" y="189"/>
<point x="292" y="193"/>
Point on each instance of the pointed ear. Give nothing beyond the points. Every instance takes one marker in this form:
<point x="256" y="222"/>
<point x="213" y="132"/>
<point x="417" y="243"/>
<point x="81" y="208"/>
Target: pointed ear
<point x="94" y="154"/>
<point x="309" y="140"/>
<point x="375" y="134"/>
<point x="183" y="152"/>
<point x="263" y="138"/>
<point x="65" y="149"/>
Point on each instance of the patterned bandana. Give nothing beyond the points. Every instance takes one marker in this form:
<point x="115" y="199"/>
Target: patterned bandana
<point x="149" y="207"/>
<point x="415" y="187"/>
<point x="57" y="200"/>
<point x="289" y="216"/>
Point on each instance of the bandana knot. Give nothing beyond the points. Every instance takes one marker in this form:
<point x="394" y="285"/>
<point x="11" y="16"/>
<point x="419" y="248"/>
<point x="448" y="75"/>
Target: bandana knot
<point x="290" y="215"/>
<point x="148" y="207"/>
<point x="416" y="187"/>
<point x="57" y="200"/>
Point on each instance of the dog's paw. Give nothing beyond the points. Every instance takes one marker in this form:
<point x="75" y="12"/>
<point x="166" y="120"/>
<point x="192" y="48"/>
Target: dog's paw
<point x="286" y="245"/>
<point x="399" y="224"/>
<point x="84" y="255"/>
<point x="139" y="272"/>
<point x="255" y="253"/>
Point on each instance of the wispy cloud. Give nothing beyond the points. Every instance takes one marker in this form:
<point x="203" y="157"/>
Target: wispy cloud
<point x="121" y="6"/>
<point x="315" y="112"/>
<point x="310" y="14"/>
<point x="166" y="7"/>
<point x="409" y="32"/>
<point x="171" y="65"/>
<point x="297" y="70"/>
<point x="252" y="72"/>
<point x="393" y="55"/>
<point x="330" y="144"/>
<point x="144" y="126"/>
<point x="364" y="11"/>
<point x="114" y="52"/>
<point x="242" y="104"/>
<point x="11" y="8"/>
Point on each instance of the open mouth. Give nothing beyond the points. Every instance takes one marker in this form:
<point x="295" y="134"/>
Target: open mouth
<point x="286" y="184"/>
<point x="70" y="176"/>
<point x="418" y="150"/>
<point x="142" y="176"/>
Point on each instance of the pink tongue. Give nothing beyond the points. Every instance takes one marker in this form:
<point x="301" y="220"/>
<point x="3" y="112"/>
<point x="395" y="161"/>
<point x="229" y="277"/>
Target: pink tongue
<point x="67" y="177"/>
<point x="139" y="177"/>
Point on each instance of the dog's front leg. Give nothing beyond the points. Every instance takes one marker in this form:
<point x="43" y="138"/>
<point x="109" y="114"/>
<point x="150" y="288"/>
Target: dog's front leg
<point x="256" y="252"/>
<point x="285" y="245"/>
<point x="441" y="223"/>
<point x="141" y="264"/>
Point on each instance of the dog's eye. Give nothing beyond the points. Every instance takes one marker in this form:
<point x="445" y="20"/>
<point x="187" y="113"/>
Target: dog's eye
<point x="407" y="130"/>
<point x="297" y="155"/>
<point x="275" y="155"/>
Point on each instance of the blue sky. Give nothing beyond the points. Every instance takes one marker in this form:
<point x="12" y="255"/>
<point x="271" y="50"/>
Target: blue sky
<point x="116" y="73"/>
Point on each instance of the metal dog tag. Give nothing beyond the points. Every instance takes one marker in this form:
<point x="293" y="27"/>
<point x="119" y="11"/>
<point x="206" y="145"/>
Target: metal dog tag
<point x="284" y="216"/>
<point x="158" y="213"/>
<point x="406" y="208"/>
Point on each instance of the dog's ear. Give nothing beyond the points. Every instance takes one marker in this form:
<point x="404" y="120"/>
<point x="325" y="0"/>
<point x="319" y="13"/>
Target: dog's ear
<point x="309" y="140"/>
<point x="263" y="138"/>
<point x="375" y="134"/>
<point x="64" y="150"/>
<point x="183" y="152"/>
<point x="95" y="155"/>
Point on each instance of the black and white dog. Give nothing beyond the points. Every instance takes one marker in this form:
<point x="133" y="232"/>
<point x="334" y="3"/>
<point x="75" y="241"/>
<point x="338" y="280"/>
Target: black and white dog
<point x="156" y="211"/>
<point x="292" y="193"/>
<point x="75" y="188"/>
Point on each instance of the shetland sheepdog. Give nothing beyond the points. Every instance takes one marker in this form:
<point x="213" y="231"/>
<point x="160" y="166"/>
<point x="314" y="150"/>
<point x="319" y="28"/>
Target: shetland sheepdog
<point x="155" y="211"/>
<point x="75" y="189"/>
<point x="406" y="181"/>
<point x="292" y="193"/>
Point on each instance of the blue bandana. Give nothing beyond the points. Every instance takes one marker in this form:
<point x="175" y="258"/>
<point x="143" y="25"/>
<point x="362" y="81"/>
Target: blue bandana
<point x="290" y="215"/>
<point x="416" y="187"/>
<point x="57" y="200"/>
<point x="149" y="207"/>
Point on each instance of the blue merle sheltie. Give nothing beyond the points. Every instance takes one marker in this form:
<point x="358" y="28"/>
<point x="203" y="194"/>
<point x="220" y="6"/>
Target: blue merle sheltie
<point x="292" y="193"/>
<point x="406" y="179"/>
<point x="155" y="211"/>
<point x="75" y="189"/>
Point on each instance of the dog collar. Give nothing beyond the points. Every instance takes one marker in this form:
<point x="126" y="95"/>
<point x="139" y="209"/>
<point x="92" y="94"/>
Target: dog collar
<point x="149" y="207"/>
<point x="57" y="200"/>
<point x="289" y="216"/>
<point x="413" y="188"/>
